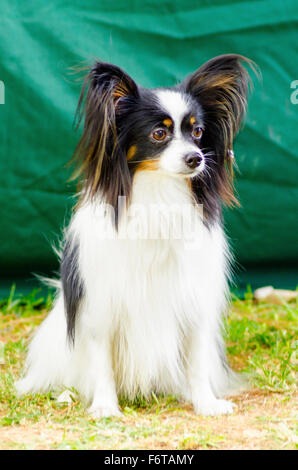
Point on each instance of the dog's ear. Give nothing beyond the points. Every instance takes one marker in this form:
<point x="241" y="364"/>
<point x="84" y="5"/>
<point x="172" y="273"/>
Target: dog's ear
<point x="106" y="95"/>
<point x="221" y="86"/>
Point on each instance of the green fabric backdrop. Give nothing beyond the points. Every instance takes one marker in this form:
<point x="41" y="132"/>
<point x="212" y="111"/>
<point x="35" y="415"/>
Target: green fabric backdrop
<point x="158" y="43"/>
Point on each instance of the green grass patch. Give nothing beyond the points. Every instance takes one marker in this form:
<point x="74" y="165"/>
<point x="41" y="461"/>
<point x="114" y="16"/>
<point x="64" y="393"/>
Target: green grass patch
<point x="264" y="336"/>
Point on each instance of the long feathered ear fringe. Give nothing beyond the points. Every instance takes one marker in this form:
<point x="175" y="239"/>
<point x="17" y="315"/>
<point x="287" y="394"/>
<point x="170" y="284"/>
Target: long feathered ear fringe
<point x="101" y="162"/>
<point x="221" y="87"/>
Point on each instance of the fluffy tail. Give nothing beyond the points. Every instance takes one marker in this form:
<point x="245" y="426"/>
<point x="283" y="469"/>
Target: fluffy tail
<point x="48" y="355"/>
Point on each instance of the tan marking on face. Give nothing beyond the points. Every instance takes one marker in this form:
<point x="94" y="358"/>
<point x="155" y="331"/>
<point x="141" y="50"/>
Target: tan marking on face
<point x="148" y="165"/>
<point x="192" y="120"/>
<point x="168" y="122"/>
<point x="131" y="152"/>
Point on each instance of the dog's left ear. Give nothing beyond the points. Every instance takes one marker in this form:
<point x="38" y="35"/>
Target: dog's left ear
<point x="107" y="95"/>
<point x="220" y="87"/>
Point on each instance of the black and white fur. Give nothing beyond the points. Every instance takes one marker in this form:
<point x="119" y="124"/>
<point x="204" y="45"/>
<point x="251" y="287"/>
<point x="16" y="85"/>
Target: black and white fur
<point x="136" y="313"/>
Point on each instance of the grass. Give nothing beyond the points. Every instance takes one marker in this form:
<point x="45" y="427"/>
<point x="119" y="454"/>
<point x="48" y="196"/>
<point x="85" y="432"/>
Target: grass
<point x="262" y="341"/>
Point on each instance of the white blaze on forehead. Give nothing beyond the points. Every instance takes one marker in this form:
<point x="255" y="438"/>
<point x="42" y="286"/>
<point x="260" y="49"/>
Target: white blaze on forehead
<point x="174" y="104"/>
<point x="172" y="157"/>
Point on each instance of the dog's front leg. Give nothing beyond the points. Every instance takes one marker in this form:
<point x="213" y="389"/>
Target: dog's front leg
<point x="99" y="383"/>
<point x="198" y="373"/>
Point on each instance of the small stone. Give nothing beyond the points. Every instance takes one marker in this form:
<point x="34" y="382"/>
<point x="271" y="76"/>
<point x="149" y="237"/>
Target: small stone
<point x="274" y="296"/>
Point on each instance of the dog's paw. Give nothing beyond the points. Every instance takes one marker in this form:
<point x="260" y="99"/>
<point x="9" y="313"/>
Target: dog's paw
<point x="104" y="411"/>
<point x="214" y="407"/>
<point x="23" y="387"/>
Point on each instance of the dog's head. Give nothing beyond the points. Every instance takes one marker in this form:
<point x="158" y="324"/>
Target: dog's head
<point x="186" y="131"/>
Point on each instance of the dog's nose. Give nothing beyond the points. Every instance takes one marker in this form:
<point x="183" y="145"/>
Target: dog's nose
<point x="193" y="160"/>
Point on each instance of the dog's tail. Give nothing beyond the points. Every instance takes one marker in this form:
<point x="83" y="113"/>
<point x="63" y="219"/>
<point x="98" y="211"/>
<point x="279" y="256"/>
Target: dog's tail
<point x="48" y="356"/>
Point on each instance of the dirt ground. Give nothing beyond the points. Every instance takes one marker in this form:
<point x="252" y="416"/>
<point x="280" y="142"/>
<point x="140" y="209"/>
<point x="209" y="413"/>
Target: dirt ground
<point x="263" y="420"/>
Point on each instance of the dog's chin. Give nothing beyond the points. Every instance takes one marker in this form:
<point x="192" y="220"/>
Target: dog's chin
<point x="180" y="175"/>
<point x="187" y="173"/>
<point x="190" y="174"/>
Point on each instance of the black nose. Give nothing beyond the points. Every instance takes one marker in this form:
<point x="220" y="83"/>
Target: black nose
<point x="193" y="160"/>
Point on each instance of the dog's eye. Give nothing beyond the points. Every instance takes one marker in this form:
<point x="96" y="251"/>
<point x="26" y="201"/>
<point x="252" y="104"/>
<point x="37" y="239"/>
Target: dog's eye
<point x="197" y="132"/>
<point x="159" y="134"/>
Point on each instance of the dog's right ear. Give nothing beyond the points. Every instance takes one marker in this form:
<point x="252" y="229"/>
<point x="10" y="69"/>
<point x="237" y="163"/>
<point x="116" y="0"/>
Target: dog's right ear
<point x="106" y="95"/>
<point x="109" y="82"/>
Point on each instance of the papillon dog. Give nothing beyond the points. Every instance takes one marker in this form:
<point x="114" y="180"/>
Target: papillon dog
<point x="144" y="262"/>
